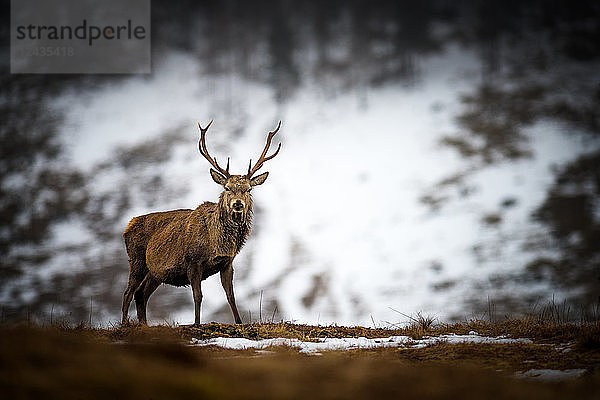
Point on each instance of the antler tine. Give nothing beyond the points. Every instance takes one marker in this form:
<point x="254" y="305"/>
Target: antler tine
<point x="262" y="159"/>
<point x="204" y="151"/>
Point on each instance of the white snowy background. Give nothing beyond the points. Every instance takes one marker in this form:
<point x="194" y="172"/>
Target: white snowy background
<point x="344" y="232"/>
<point x="339" y="222"/>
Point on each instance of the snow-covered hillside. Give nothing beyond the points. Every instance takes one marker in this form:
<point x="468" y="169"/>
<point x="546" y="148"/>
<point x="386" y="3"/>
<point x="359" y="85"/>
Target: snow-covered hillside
<point x="342" y="233"/>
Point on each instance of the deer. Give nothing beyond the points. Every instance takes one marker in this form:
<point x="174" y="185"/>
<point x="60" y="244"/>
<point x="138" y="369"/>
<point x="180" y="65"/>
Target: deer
<point x="184" y="247"/>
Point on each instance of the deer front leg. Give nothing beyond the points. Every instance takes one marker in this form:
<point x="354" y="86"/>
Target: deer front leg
<point x="227" y="282"/>
<point x="195" y="278"/>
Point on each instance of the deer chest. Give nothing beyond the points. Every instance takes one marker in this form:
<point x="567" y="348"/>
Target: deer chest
<point x="216" y="264"/>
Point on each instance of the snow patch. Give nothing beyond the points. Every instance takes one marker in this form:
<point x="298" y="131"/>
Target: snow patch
<point x="551" y="375"/>
<point x="328" y="344"/>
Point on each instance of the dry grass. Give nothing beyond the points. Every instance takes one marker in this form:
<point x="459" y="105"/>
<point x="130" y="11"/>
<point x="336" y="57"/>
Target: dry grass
<point x="420" y="326"/>
<point x="155" y="362"/>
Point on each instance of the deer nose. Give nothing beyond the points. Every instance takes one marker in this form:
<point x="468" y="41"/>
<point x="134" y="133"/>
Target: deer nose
<point x="238" y="205"/>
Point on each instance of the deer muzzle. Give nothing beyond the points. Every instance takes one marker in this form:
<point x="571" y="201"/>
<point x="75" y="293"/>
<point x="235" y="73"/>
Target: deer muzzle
<point x="237" y="206"/>
<point x="237" y="210"/>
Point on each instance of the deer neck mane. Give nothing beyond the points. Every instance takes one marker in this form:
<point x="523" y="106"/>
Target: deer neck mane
<point x="230" y="236"/>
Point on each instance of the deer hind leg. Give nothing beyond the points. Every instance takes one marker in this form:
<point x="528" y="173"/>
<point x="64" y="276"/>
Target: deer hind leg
<point x="142" y="294"/>
<point x="137" y="274"/>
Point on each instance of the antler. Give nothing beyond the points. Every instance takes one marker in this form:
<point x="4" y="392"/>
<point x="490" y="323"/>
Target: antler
<point x="262" y="158"/>
<point x="204" y="151"/>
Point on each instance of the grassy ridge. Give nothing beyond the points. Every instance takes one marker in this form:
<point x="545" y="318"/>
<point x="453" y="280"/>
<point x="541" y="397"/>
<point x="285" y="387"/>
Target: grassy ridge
<point x="155" y="362"/>
<point x="535" y="329"/>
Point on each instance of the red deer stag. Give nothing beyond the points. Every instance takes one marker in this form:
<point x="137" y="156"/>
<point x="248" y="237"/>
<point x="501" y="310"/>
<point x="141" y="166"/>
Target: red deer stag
<point x="184" y="247"/>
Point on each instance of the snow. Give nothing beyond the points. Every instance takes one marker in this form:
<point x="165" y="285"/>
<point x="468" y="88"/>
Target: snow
<point x="71" y="232"/>
<point x="551" y="375"/>
<point x="329" y="344"/>
<point x="342" y="200"/>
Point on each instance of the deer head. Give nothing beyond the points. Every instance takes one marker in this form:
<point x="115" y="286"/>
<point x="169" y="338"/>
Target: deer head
<point x="235" y="200"/>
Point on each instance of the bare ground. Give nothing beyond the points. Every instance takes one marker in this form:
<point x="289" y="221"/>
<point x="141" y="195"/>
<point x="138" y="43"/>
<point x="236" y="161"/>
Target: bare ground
<point x="157" y="363"/>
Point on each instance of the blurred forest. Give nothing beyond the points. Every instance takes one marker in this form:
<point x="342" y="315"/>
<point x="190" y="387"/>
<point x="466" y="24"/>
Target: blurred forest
<point x="532" y="56"/>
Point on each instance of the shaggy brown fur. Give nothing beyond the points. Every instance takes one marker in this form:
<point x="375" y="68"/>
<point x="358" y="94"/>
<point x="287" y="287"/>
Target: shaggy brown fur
<point x="184" y="247"/>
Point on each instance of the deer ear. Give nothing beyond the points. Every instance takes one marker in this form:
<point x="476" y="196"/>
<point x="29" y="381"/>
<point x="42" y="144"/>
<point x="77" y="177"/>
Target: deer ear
<point x="217" y="177"/>
<point x="259" y="180"/>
